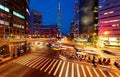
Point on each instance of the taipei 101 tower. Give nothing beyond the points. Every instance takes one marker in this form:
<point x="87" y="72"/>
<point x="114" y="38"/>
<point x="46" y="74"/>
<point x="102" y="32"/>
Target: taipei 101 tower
<point x="59" y="20"/>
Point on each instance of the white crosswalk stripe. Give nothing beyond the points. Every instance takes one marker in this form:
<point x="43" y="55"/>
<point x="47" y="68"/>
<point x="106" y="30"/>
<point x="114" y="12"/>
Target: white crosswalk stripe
<point x="89" y="71"/>
<point x="60" y="74"/>
<point x="49" y="65"/>
<point x="42" y="63"/>
<point x="72" y="72"/>
<point x="53" y="67"/>
<point x="57" y="68"/>
<point x="41" y="60"/>
<point x="117" y="74"/>
<point x="83" y="71"/>
<point x="96" y="72"/>
<point x="110" y="74"/>
<point x="78" y="71"/>
<point x="62" y="68"/>
<point x="66" y="75"/>
<point x="45" y="64"/>
<point x="31" y="61"/>
<point x="102" y="73"/>
<point x="37" y="60"/>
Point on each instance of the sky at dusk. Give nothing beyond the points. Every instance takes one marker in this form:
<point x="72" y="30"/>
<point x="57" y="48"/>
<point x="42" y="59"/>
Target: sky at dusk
<point x="49" y="11"/>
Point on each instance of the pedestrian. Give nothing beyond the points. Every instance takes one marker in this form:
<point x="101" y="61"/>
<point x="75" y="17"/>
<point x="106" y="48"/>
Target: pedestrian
<point x="108" y="61"/>
<point x="104" y="60"/>
<point x="89" y="59"/>
<point x="99" y="61"/>
<point x="94" y="62"/>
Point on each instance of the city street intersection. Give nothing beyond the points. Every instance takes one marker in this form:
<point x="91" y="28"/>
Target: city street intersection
<point x="43" y="62"/>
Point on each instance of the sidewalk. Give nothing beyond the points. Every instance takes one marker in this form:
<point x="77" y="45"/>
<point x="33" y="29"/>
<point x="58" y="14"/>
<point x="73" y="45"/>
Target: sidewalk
<point x="7" y="59"/>
<point x="4" y="60"/>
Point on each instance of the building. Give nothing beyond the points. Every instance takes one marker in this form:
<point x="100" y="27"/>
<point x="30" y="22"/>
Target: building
<point x="59" y="19"/>
<point x="49" y="31"/>
<point x="72" y="29"/>
<point x="35" y="23"/>
<point x="14" y="19"/>
<point x="76" y="28"/>
<point x="84" y="18"/>
<point x="14" y="26"/>
<point x="109" y="22"/>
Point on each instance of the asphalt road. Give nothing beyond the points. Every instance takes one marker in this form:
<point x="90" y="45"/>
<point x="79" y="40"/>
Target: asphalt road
<point x="46" y="63"/>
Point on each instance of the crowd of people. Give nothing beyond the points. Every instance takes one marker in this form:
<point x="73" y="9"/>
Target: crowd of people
<point x="95" y="60"/>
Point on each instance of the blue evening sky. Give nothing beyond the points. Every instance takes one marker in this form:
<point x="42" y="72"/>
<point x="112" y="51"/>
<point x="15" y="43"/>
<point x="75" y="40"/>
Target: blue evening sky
<point x="49" y="11"/>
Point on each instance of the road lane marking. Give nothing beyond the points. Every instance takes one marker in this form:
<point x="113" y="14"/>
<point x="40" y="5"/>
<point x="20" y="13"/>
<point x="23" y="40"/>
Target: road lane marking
<point x="57" y="67"/>
<point x="28" y="64"/>
<point x="66" y="75"/>
<point x="35" y="62"/>
<point x="19" y="60"/>
<point x="78" y="71"/>
<point x="43" y="58"/>
<point x="23" y="62"/>
<point x="110" y="74"/>
<point x="72" y="71"/>
<point x="102" y="73"/>
<point x="83" y="71"/>
<point x="89" y="72"/>
<point x="53" y="67"/>
<point x="49" y="65"/>
<point x="96" y="72"/>
<point x="42" y="63"/>
<point x="60" y="74"/>
<point x="117" y="74"/>
<point x="45" y="64"/>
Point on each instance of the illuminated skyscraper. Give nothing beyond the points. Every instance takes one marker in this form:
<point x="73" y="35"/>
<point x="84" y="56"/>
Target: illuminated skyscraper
<point x="109" y="22"/>
<point x="84" y="17"/>
<point x="59" y="19"/>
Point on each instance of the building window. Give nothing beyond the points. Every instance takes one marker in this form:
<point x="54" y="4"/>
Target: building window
<point x="4" y="8"/>
<point x="18" y="15"/>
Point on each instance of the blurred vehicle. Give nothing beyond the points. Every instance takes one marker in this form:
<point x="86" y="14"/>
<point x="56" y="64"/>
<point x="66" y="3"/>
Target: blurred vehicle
<point x="56" y="48"/>
<point x="40" y="43"/>
<point x="91" y="52"/>
<point x="109" y="52"/>
<point x="81" y="53"/>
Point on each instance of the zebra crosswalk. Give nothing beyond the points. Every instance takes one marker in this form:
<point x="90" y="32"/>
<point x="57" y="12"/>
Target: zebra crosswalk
<point x="61" y="68"/>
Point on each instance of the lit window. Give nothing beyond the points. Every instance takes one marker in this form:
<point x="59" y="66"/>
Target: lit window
<point x="110" y="21"/>
<point x="4" y="22"/>
<point x="18" y="26"/>
<point x="108" y="12"/>
<point x="4" y="8"/>
<point x="18" y="15"/>
<point x="100" y="6"/>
